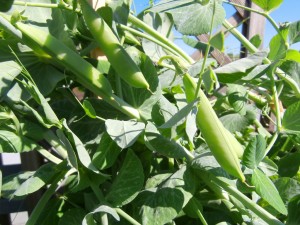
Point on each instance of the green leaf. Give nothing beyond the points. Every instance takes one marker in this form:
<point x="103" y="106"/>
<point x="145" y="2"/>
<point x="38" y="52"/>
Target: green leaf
<point x="190" y="125"/>
<point x="193" y="18"/>
<point x="289" y="165"/>
<point x="294" y="32"/>
<point x="12" y="182"/>
<point x="291" y="119"/>
<point x="124" y="133"/>
<point x="195" y="44"/>
<point x="254" y="152"/>
<point x="11" y="142"/>
<point x="288" y="188"/>
<point x="106" y="153"/>
<point x="161" y="206"/>
<point x="209" y="79"/>
<point x="277" y="48"/>
<point x="89" y="220"/>
<point x="128" y="182"/>
<point x="234" y="122"/>
<point x="233" y="71"/>
<point x="268" y="167"/>
<point x="293" y="209"/>
<point x="88" y="108"/>
<point x="38" y="179"/>
<point x="5" y="5"/>
<point x="267" y="190"/>
<point x="8" y="71"/>
<point x="82" y="153"/>
<point x="238" y="102"/>
<point x="268" y="5"/>
<point x="72" y="216"/>
<point x="163" y="145"/>
<point x="217" y="41"/>
<point x="293" y="55"/>
<point x="180" y="116"/>
<point x="256" y="40"/>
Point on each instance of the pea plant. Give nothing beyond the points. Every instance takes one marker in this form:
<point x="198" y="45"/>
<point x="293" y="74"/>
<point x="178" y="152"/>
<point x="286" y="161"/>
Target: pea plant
<point x="142" y="133"/>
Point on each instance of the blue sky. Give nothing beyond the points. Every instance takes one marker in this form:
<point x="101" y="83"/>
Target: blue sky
<point x="289" y="11"/>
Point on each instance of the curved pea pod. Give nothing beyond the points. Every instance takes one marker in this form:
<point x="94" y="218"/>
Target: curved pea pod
<point x="110" y="45"/>
<point x="85" y="73"/>
<point x="220" y="141"/>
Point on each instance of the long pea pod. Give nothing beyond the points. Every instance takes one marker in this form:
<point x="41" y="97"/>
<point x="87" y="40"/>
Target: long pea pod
<point x="223" y="145"/>
<point x="110" y="45"/>
<point x="85" y="73"/>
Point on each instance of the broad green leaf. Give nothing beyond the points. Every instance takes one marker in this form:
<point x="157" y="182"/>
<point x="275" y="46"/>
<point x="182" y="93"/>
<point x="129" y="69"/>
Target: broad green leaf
<point x="193" y="18"/>
<point x="257" y="72"/>
<point x="5" y="5"/>
<point x="88" y="108"/>
<point x="163" y="145"/>
<point x="106" y="153"/>
<point x="238" y="102"/>
<point x="294" y="32"/>
<point x="291" y="120"/>
<point x="268" y="167"/>
<point x="8" y="71"/>
<point x="289" y="165"/>
<point x="268" y="5"/>
<point x="195" y="44"/>
<point x="163" y="24"/>
<point x="254" y="152"/>
<point x="293" y="55"/>
<point x="233" y="71"/>
<point x="180" y="116"/>
<point x="124" y="133"/>
<point x="38" y="180"/>
<point x="128" y="182"/>
<point x="293" y="209"/>
<point x="73" y="216"/>
<point x="89" y="220"/>
<point x="155" y="181"/>
<point x="209" y="79"/>
<point x="12" y="182"/>
<point x="277" y="48"/>
<point x="190" y="125"/>
<point x="256" y="40"/>
<point x="11" y="142"/>
<point x="191" y="208"/>
<point x="217" y="41"/>
<point x="161" y="206"/>
<point x="267" y="190"/>
<point x="234" y="122"/>
<point x="288" y="188"/>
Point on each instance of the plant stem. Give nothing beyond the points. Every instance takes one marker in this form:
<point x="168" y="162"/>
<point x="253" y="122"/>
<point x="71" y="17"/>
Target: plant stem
<point x="252" y="49"/>
<point x="44" y="200"/>
<point x="61" y="5"/>
<point x="137" y="22"/>
<point x="271" y="144"/>
<point x="48" y="155"/>
<point x="201" y="217"/>
<point x="262" y="213"/>
<point x="127" y="217"/>
<point x="148" y="37"/>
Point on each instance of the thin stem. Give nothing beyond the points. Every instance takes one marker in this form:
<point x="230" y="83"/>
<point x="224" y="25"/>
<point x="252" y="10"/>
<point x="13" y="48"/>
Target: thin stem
<point x="44" y="200"/>
<point x="259" y="211"/>
<point x="61" y="5"/>
<point x="127" y="217"/>
<point x="262" y="13"/>
<point x="272" y="142"/>
<point x="46" y="154"/>
<point x="137" y="22"/>
<point x="148" y="37"/>
<point x="201" y="217"/>
<point x="252" y="49"/>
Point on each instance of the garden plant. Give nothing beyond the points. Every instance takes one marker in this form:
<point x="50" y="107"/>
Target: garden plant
<point x="145" y="134"/>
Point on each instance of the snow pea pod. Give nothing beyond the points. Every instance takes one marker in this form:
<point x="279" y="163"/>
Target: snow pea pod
<point x="85" y="73"/>
<point x="223" y="145"/>
<point x="110" y="45"/>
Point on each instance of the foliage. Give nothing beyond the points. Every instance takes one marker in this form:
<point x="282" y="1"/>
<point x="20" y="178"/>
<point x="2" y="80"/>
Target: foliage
<point x="135" y="154"/>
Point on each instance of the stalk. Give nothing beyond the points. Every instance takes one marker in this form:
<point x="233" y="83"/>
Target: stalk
<point x="135" y="21"/>
<point x="127" y="217"/>
<point x="252" y="49"/>
<point x="44" y="200"/>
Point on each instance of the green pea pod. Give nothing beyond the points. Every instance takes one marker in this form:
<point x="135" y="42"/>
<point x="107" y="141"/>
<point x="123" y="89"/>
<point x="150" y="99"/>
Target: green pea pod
<point x="85" y="73"/>
<point x="110" y="45"/>
<point x="220" y="141"/>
